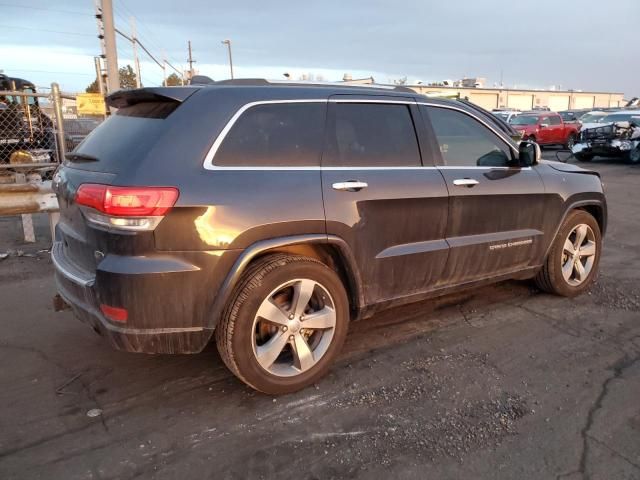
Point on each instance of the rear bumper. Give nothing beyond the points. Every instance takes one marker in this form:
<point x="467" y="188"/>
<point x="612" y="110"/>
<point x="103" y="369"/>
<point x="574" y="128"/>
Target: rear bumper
<point x="148" y="333"/>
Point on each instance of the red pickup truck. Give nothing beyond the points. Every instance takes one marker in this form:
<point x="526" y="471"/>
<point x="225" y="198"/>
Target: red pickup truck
<point x="546" y="128"/>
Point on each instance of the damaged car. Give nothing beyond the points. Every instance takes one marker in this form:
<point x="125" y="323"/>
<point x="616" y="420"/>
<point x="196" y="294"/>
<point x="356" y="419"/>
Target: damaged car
<point x="619" y="137"/>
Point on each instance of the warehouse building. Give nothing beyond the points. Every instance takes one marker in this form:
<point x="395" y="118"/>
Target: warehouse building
<point x="555" y="100"/>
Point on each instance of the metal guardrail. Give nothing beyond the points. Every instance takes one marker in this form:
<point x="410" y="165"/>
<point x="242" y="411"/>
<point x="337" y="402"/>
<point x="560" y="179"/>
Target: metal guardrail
<point x="22" y="198"/>
<point x="36" y="131"/>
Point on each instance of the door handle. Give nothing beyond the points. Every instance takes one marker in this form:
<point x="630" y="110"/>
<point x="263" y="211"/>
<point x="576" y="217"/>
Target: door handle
<point x="465" y="182"/>
<point x="350" y="186"/>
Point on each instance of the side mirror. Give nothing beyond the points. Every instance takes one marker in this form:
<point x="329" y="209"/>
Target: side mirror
<point x="544" y="125"/>
<point x="529" y="154"/>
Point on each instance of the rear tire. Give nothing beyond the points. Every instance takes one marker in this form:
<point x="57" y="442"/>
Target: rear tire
<point x="572" y="263"/>
<point x="583" y="157"/>
<point x="266" y="336"/>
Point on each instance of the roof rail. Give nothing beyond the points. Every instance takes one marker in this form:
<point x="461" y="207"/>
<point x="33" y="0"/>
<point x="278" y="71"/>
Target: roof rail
<point x="242" y="81"/>
<point x="402" y="88"/>
<point x="263" y="81"/>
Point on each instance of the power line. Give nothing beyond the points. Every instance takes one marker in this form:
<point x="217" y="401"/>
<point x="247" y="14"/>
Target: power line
<point x="48" y="71"/>
<point x="161" y="65"/>
<point x="48" y="31"/>
<point x="150" y="38"/>
<point x="141" y="46"/>
<point x="30" y="7"/>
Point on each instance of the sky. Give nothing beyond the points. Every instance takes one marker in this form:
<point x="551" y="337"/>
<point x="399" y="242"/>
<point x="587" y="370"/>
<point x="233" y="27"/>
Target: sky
<point x="573" y="44"/>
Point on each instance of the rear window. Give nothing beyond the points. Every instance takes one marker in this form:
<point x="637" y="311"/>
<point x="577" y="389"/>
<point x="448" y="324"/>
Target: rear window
<point x="275" y="135"/>
<point x="125" y="137"/>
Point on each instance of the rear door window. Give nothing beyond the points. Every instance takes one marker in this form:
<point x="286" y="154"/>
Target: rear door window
<point x="371" y="135"/>
<point x="275" y="135"/>
<point x="554" y="120"/>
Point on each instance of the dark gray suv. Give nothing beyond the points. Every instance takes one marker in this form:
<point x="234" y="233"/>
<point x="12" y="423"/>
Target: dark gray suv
<point x="272" y="215"/>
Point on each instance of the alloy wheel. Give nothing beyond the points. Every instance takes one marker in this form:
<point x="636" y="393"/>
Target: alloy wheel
<point x="293" y="327"/>
<point x="578" y="254"/>
<point x="571" y="141"/>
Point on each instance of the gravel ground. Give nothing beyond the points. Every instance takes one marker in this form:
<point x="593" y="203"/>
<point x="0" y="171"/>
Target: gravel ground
<point x="501" y="382"/>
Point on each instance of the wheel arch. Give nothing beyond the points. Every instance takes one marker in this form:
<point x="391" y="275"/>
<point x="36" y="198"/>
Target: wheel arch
<point x="330" y="250"/>
<point x="597" y="211"/>
<point x="595" y="208"/>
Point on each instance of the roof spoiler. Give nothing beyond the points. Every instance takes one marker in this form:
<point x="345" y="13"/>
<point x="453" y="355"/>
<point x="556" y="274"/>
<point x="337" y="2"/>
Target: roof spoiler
<point x="126" y="98"/>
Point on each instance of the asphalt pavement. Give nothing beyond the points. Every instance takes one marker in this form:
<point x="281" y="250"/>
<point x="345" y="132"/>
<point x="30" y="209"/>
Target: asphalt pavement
<point x="501" y="382"/>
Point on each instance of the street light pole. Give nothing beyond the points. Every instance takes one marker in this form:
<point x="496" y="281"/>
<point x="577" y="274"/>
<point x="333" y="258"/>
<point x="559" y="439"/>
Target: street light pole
<point x="136" y="60"/>
<point x="228" y="44"/>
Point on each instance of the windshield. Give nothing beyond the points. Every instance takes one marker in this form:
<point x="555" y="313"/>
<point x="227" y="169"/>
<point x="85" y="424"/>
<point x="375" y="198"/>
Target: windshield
<point x="524" y="120"/>
<point x="593" y="117"/>
<point x="624" y="117"/>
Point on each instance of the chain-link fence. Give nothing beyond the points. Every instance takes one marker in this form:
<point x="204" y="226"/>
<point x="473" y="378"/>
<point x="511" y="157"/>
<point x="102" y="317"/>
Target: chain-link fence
<point x="36" y="131"/>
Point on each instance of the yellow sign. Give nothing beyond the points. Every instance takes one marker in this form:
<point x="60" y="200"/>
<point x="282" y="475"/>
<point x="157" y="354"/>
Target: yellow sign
<point x="90" y="104"/>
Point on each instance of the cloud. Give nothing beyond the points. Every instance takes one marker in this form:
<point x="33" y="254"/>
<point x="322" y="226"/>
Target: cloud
<point x="564" y="43"/>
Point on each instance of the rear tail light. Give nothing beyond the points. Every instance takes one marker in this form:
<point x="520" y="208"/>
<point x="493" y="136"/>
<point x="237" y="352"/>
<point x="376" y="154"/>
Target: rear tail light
<point x="114" y="314"/>
<point x="126" y="208"/>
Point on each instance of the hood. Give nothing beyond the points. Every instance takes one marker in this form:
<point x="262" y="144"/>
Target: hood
<point x="568" y="167"/>
<point x="585" y="126"/>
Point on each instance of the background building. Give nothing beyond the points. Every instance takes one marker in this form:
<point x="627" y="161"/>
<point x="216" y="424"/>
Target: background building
<point x="556" y="100"/>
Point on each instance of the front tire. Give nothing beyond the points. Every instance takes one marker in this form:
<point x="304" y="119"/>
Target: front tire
<point x="285" y="324"/>
<point x="634" y="156"/>
<point x="573" y="259"/>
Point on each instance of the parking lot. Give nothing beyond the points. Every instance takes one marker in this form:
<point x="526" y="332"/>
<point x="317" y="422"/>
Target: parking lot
<point x="499" y="382"/>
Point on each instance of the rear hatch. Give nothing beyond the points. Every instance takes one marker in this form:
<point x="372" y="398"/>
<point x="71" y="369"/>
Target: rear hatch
<point x="118" y="146"/>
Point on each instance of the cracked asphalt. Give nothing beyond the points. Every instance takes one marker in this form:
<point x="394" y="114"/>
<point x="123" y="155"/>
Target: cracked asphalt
<point x="501" y="382"/>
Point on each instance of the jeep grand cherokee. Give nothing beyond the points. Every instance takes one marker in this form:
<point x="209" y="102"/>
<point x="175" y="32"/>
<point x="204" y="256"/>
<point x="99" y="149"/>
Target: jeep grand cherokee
<point x="269" y="216"/>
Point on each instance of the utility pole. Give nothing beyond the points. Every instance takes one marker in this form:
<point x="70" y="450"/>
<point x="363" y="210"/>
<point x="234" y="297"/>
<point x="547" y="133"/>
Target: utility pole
<point x="99" y="72"/>
<point x="228" y="44"/>
<point x="99" y="76"/>
<point x="164" y="69"/>
<point x="191" y="62"/>
<point x="136" y="60"/>
<point x="111" y="52"/>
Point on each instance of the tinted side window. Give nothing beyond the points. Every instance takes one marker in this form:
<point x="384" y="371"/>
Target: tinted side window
<point x="372" y="134"/>
<point x="465" y="142"/>
<point x="283" y="134"/>
<point x="554" y="120"/>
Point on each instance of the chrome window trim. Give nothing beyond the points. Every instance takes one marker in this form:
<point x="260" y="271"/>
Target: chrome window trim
<point x="209" y="165"/>
<point x="208" y="159"/>
<point x="366" y="100"/>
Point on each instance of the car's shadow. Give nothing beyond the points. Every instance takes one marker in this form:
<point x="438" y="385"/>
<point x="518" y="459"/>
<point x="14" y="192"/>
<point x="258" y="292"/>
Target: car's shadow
<point x="123" y="378"/>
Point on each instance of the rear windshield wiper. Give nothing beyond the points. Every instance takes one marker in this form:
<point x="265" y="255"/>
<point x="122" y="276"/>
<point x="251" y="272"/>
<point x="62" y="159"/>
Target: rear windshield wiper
<point x="80" y="157"/>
